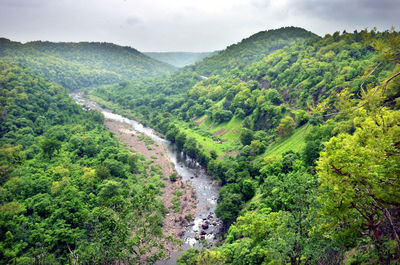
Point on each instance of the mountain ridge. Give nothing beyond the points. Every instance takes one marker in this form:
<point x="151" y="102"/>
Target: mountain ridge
<point x="252" y="49"/>
<point x="77" y="65"/>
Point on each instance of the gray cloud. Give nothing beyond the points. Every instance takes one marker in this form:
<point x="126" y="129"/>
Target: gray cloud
<point x="132" y="21"/>
<point x="261" y="3"/>
<point x="22" y="3"/>
<point x="184" y="25"/>
<point x="349" y="11"/>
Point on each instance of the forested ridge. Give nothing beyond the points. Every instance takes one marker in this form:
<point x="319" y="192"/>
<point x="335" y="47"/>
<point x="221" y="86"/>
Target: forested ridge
<point x="251" y="49"/>
<point x="301" y="132"/>
<point x="70" y="193"/>
<point x="83" y="64"/>
<point x="304" y="143"/>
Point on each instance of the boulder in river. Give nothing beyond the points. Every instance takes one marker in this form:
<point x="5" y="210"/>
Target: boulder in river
<point x="203" y="232"/>
<point x="204" y="225"/>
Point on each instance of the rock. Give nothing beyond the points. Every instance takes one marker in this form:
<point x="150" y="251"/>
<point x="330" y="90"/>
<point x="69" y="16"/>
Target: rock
<point x="204" y="225"/>
<point x="203" y="232"/>
<point x="181" y="233"/>
<point x="197" y="237"/>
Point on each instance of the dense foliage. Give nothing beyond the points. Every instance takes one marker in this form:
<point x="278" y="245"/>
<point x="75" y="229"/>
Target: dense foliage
<point x="69" y="192"/>
<point x="80" y="65"/>
<point x="301" y="132"/>
<point x="324" y="203"/>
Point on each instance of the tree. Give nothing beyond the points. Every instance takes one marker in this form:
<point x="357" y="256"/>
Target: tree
<point x="360" y="175"/>
<point x="115" y="167"/>
<point x="286" y="127"/>
<point x="173" y="177"/>
<point x="248" y="189"/>
<point x="316" y="119"/>
<point x="220" y="116"/>
<point x="229" y="206"/>
<point x="189" y="257"/>
<point x="190" y="147"/>
<point x="240" y="113"/>
<point x="9" y="157"/>
<point x="133" y="162"/>
<point x="246" y="136"/>
<point x="49" y="146"/>
<point x="359" y="171"/>
<point x="257" y="147"/>
<point x="180" y="139"/>
<point x="102" y="172"/>
<point x="301" y="117"/>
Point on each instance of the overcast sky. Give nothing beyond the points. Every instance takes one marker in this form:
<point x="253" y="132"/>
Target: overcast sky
<point x="185" y="25"/>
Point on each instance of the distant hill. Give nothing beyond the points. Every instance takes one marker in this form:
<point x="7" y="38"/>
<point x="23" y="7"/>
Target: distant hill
<point x="180" y="59"/>
<point x="252" y="49"/>
<point x="83" y="64"/>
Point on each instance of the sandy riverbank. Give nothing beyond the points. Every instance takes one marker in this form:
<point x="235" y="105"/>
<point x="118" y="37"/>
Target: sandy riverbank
<point x="175" y="223"/>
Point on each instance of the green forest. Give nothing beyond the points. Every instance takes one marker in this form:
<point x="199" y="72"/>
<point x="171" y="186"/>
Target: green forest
<point x="301" y="132"/>
<point x="85" y="64"/>
<point x="70" y="192"/>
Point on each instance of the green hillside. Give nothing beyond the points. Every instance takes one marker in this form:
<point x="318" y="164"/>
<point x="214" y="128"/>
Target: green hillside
<point x="287" y="83"/>
<point x="69" y="191"/>
<point x="301" y="132"/>
<point x="179" y="59"/>
<point x="251" y="49"/>
<point x="282" y="134"/>
<point x="84" y="64"/>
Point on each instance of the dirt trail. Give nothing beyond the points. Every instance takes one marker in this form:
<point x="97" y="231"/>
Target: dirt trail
<point x="175" y="224"/>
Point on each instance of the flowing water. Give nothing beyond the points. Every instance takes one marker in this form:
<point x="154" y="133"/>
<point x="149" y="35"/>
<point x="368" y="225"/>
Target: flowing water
<point x="205" y="221"/>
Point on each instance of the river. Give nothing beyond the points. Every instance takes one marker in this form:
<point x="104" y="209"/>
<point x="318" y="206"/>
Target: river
<point x="206" y="225"/>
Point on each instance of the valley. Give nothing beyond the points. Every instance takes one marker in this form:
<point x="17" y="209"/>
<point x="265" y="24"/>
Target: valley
<point x="195" y="221"/>
<point x="282" y="148"/>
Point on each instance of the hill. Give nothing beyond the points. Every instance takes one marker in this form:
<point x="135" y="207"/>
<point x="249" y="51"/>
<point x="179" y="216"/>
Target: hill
<point x="304" y="143"/>
<point x="286" y="82"/>
<point x="84" y="64"/>
<point x="301" y="132"/>
<point x="251" y="49"/>
<point x="68" y="188"/>
<point x="179" y="59"/>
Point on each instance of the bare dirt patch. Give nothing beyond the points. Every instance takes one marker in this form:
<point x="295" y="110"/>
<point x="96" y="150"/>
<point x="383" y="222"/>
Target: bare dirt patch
<point x="232" y="153"/>
<point x="200" y="121"/>
<point x="219" y="132"/>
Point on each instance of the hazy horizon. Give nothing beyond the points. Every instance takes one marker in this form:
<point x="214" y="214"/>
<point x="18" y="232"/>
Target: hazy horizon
<point x="184" y="26"/>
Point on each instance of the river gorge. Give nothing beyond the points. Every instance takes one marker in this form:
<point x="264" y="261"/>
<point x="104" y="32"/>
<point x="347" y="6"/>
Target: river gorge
<point x="204" y="227"/>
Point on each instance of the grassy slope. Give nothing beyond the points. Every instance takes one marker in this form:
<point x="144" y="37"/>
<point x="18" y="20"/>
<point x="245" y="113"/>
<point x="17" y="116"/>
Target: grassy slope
<point x="294" y="142"/>
<point x="230" y="137"/>
<point x="207" y="134"/>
